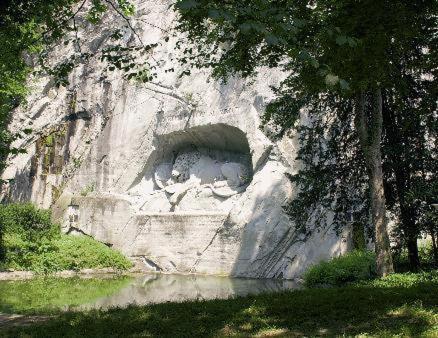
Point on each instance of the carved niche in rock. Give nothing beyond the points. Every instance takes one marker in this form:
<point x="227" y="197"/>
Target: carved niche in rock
<point x="194" y="170"/>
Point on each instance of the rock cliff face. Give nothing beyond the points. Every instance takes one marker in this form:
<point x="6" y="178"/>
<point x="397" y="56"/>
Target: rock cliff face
<point x="175" y="173"/>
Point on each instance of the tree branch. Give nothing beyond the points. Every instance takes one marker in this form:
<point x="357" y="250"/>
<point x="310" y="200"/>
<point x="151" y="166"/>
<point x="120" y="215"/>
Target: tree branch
<point x="155" y="26"/>
<point x="66" y="20"/>
<point x="126" y="19"/>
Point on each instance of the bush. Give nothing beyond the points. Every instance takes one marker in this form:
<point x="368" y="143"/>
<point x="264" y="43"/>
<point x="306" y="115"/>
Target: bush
<point x="352" y="267"/>
<point x="32" y="242"/>
<point x="27" y="221"/>
<point x="78" y="252"/>
<point x="26" y="231"/>
<point x="65" y="253"/>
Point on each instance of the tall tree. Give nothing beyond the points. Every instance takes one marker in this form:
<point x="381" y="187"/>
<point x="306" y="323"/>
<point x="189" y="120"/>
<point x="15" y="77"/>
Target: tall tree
<point x="409" y="143"/>
<point x="325" y="46"/>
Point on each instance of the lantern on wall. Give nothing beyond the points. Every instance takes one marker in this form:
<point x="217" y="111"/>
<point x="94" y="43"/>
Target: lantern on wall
<point x="73" y="213"/>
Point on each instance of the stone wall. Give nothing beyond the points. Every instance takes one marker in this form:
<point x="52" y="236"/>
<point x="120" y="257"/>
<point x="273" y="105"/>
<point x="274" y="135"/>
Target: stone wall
<point x="97" y="145"/>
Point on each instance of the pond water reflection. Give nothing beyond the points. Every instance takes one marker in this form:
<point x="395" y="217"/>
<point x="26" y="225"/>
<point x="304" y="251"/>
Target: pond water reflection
<point x="166" y="288"/>
<point x="45" y="294"/>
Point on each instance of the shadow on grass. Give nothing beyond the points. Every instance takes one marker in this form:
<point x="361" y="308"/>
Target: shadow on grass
<point x="316" y="312"/>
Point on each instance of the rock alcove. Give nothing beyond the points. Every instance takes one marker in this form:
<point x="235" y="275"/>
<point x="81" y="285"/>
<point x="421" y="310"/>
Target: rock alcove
<point x="202" y="168"/>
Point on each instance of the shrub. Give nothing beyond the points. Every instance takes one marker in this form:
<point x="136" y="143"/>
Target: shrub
<point x="27" y="221"/>
<point x="32" y="242"/>
<point x="352" y="267"/>
<point x="26" y="230"/>
<point x="78" y="252"/>
<point x="65" y="253"/>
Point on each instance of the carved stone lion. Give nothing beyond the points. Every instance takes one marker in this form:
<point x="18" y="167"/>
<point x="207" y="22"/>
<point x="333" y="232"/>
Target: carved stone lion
<point x="191" y="169"/>
<point x="183" y="162"/>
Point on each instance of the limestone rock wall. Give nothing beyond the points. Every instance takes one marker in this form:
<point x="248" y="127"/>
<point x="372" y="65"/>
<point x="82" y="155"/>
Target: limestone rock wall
<point x="104" y="156"/>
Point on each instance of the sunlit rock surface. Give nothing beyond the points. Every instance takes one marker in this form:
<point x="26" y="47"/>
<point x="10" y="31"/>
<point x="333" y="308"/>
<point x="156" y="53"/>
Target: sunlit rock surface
<point x="176" y="173"/>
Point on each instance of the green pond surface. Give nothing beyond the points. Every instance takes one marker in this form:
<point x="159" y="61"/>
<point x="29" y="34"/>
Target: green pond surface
<point x="51" y="294"/>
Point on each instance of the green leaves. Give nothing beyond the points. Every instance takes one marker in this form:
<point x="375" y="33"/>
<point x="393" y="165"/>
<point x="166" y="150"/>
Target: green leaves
<point x="329" y="52"/>
<point x="186" y="4"/>
<point x="344" y="84"/>
<point x="304" y="55"/>
<point x="341" y="39"/>
<point x="272" y="40"/>
<point x="127" y="59"/>
<point x="127" y="8"/>
<point x="220" y="15"/>
<point x="96" y="11"/>
<point x="61" y="72"/>
<point x="353" y="267"/>
<point x="250" y="26"/>
<point x="214" y="14"/>
<point x="350" y="41"/>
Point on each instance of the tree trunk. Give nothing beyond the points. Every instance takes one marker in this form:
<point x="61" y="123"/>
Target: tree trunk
<point x="369" y="130"/>
<point x="433" y="234"/>
<point x="414" y="260"/>
<point x="410" y="232"/>
<point x="403" y="184"/>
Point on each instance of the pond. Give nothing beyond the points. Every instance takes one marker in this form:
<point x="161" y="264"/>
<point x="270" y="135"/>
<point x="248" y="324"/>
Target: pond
<point x="78" y="293"/>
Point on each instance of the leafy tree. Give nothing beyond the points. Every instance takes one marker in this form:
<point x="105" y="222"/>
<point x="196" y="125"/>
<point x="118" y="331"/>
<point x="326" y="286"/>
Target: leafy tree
<point x="30" y="28"/>
<point x="15" y="39"/>
<point x="410" y="156"/>
<point x="332" y="50"/>
<point x="332" y="176"/>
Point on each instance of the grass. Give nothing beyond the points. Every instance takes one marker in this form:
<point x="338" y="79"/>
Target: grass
<point x="385" y="309"/>
<point x="32" y="242"/>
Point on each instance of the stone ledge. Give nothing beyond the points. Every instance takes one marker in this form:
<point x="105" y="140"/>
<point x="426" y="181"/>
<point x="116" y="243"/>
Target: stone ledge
<point x="183" y="213"/>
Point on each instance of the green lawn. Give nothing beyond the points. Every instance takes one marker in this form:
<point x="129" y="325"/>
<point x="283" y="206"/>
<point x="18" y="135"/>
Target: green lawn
<point x="381" y="309"/>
